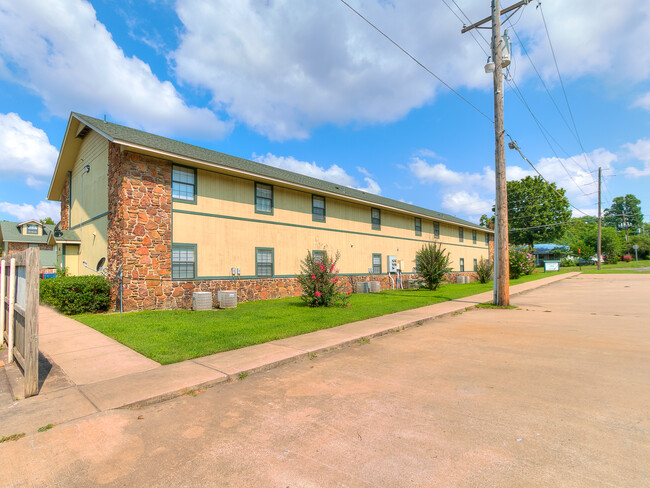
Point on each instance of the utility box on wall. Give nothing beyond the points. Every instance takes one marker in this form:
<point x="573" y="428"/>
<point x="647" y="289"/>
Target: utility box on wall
<point x="392" y="265"/>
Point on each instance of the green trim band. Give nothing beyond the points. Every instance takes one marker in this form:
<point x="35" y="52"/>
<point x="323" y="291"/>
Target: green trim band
<point x="286" y="224"/>
<point x="89" y="220"/>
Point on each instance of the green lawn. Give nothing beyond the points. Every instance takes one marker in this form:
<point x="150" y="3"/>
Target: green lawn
<point x="175" y="335"/>
<point x="620" y="267"/>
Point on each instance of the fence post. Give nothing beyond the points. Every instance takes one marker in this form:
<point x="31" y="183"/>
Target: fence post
<point x="12" y="302"/>
<point x="3" y="309"/>
<point x="32" y="265"/>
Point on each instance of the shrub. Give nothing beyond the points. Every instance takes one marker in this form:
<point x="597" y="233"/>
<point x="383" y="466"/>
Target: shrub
<point x="77" y="294"/>
<point x="627" y="258"/>
<point x="522" y="261"/>
<point x="320" y="282"/>
<point x="432" y="263"/>
<point x="484" y="270"/>
<point x="566" y="262"/>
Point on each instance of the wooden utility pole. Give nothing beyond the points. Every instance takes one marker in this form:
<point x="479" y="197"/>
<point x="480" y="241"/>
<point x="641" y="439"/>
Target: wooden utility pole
<point x="599" y="222"/>
<point x="501" y="254"/>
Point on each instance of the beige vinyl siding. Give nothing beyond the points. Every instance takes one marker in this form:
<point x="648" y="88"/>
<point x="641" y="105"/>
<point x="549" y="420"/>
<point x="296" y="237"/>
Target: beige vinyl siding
<point x="223" y="243"/>
<point x="90" y="201"/>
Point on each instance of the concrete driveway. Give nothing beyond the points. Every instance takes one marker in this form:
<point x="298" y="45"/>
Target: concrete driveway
<point x="555" y="393"/>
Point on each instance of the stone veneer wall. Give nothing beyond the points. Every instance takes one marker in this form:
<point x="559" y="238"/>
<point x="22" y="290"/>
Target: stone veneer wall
<point x="65" y="203"/>
<point x="23" y="246"/>
<point x="139" y="228"/>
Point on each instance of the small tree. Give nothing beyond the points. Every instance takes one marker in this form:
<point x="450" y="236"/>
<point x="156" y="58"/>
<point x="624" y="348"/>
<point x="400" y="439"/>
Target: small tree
<point x="432" y="263"/>
<point x="484" y="270"/>
<point x="320" y="282"/>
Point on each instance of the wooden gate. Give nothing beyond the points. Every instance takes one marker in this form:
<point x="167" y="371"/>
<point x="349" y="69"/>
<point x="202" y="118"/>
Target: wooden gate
<point x="19" y="296"/>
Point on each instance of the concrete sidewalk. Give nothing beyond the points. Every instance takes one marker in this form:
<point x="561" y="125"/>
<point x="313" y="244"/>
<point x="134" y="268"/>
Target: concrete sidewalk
<point x="90" y="372"/>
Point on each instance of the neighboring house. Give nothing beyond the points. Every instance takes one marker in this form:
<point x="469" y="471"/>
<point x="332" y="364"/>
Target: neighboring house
<point x="179" y="218"/>
<point x="549" y="252"/>
<point x="19" y="236"/>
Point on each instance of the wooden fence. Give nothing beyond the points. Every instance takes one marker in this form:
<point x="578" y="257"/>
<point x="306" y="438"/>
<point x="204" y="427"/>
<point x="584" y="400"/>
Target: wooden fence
<point x="19" y="293"/>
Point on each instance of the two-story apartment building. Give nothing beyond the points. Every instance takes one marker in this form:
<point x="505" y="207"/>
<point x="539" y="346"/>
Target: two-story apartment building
<point x="179" y="218"/>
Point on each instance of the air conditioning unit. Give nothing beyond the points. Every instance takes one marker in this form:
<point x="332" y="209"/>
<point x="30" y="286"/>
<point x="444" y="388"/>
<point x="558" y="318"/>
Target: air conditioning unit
<point x="462" y="279"/>
<point x="227" y="298"/>
<point x="362" y="287"/>
<point x="374" y="286"/>
<point x="201" y="300"/>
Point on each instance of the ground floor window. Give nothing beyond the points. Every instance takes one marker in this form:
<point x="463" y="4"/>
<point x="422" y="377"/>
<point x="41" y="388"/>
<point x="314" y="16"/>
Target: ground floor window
<point x="475" y="264"/>
<point x="183" y="262"/>
<point x="376" y="263"/>
<point x="264" y="262"/>
<point x="319" y="256"/>
<point x="462" y="264"/>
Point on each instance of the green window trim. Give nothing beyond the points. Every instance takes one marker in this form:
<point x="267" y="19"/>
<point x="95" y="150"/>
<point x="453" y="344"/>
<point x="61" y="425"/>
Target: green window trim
<point x="261" y="251"/>
<point x="318" y="255"/>
<point x="184" y="269"/>
<point x="418" y="226"/>
<point x="318" y="208"/>
<point x="436" y="230"/>
<point x="376" y="263"/>
<point x="475" y="264"/>
<point x="487" y="239"/>
<point x="262" y="199"/>
<point x="460" y="234"/>
<point x="31" y="229"/>
<point x="181" y="184"/>
<point x="473" y="237"/>
<point x="375" y="218"/>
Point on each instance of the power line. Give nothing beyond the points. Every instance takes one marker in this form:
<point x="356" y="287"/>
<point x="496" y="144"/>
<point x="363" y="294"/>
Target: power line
<point x="417" y="62"/>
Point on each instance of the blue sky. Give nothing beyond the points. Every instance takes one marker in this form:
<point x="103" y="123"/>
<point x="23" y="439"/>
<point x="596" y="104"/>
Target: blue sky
<point x="310" y="87"/>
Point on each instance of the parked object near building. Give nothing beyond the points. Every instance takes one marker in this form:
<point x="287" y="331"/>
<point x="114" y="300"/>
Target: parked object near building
<point x="20" y="236"/>
<point x="181" y="218"/>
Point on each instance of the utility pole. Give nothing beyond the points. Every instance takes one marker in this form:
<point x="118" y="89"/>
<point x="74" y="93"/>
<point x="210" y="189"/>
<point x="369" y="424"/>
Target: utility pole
<point x="599" y="221"/>
<point x="501" y="254"/>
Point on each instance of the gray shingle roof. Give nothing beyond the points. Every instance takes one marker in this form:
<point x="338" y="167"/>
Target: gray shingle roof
<point x="10" y="233"/>
<point x="134" y="136"/>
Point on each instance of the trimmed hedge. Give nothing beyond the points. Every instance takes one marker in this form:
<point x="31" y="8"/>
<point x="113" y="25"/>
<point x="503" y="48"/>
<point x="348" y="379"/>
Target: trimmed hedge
<point x="77" y="294"/>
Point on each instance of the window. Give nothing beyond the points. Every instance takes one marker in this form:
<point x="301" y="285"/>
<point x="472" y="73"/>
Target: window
<point x="318" y="208"/>
<point x="184" y="262"/>
<point x="462" y="264"/>
<point x="436" y="230"/>
<point x="474" y="236"/>
<point x="263" y="198"/>
<point x="319" y="256"/>
<point x="475" y="264"/>
<point x="32" y="229"/>
<point x="487" y="239"/>
<point x="183" y="184"/>
<point x="460" y="234"/>
<point x="264" y="262"/>
<point x="375" y="217"/>
<point x="418" y="226"/>
<point x="376" y="264"/>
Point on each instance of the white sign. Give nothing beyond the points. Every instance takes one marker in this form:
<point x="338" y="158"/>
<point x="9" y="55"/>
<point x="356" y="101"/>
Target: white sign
<point x="551" y="266"/>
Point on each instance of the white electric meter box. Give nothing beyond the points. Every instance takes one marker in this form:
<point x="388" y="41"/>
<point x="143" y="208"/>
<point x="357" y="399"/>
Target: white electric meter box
<point x="392" y="264"/>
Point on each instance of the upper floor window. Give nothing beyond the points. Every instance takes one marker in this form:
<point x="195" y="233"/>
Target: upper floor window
<point x="418" y="226"/>
<point x="318" y="208"/>
<point x="263" y="198"/>
<point x="375" y="217"/>
<point x="487" y="239"/>
<point x="436" y="230"/>
<point x="32" y="229"/>
<point x="183" y="184"/>
<point x="460" y="234"/>
<point x="474" y="236"/>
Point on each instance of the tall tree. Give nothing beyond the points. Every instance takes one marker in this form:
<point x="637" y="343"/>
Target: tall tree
<point x="624" y="211"/>
<point x="537" y="211"/>
<point x="487" y="222"/>
<point x="47" y="221"/>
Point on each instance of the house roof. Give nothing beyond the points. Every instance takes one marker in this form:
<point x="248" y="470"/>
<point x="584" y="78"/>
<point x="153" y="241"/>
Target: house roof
<point x="63" y="237"/>
<point x="9" y="232"/>
<point x="140" y="141"/>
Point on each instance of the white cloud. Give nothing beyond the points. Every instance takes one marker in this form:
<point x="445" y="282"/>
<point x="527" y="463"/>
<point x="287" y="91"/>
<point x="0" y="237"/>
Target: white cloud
<point x="59" y="50"/>
<point x="284" y="67"/>
<point x="334" y="173"/>
<point x="26" y="211"/>
<point x="34" y="182"/>
<point x="25" y="148"/>
<point x="643" y="102"/>
<point x="465" y="203"/>
<point x="639" y="150"/>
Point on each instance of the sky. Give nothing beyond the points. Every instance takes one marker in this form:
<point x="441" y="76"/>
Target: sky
<point x="313" y="88"/>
